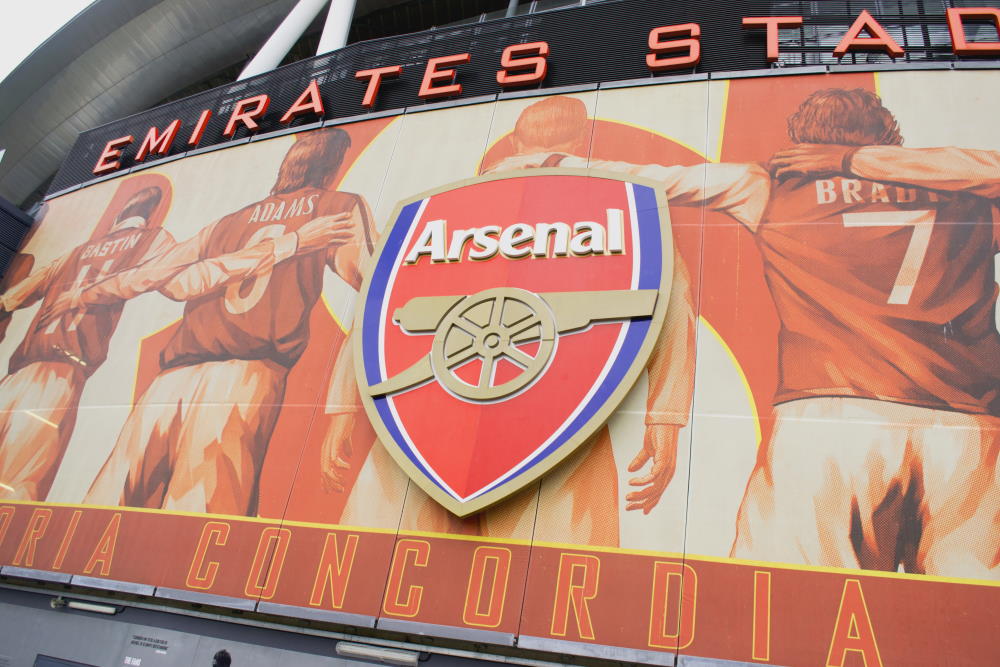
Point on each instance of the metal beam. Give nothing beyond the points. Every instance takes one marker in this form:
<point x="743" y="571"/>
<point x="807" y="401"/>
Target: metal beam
<point x="338" y="24"/>
<point x="280" y="43"/>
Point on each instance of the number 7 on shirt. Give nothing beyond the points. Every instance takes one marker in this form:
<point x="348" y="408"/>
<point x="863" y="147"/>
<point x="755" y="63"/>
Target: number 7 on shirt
<point x="922" y="223"/>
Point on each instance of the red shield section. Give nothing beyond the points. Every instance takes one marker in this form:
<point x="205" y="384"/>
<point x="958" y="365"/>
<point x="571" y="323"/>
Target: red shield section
<point x="465" y="450"/>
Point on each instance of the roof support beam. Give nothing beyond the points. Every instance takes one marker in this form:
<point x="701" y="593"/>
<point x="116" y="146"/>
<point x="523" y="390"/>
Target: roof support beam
<point x="338" y="24"/>
<point x="284" y="37"/>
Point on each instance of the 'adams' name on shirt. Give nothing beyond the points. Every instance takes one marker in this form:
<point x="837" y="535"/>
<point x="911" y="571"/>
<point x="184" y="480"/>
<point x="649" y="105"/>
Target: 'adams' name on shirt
<point x="281" y="210"/>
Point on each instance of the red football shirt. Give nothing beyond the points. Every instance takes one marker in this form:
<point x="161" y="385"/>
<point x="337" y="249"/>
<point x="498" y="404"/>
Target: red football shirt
<point x="265" y="317"/>
<point x="82" y="335"/>
<point x="883" y="292"/>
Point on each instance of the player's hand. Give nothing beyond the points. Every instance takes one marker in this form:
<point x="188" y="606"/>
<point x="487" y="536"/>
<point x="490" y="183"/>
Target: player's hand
<point x="659" y="445"/>
<point x="336" y="453"/>
<point x="809" y="159"/>
<point x="325" y="231"/>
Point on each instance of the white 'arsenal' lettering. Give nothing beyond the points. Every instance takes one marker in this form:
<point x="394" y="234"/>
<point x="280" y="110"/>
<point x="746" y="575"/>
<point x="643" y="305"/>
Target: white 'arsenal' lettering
<point x="543" y="239"/>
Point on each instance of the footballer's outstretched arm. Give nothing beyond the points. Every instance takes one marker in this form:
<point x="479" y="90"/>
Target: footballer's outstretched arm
<point x="121" y="285"/>
<point x="180" y="273"/>
<point x="348" y="259"/>
<point x="972" y="171"/>
<point x="739" y="190"/>
<point x="343" y="403"/>
<point x="671" y="387"/>
<point x="212" y="273"/>
<point x="31" y="289"/>
<point x="70" y="299"/>
<point x="975" y="172"/>
<point x="164" y="257"/>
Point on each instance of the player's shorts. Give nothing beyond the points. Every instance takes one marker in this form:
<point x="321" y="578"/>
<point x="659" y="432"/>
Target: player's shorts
<point x="576" y="503"/>
<point x="859" y="483"/>
<point x="38" y="406"/>
<point x="196" y="440"/>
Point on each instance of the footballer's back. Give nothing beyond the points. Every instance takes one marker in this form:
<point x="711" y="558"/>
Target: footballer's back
<point x="883" y="291"/>
<point x="266" y="316"/>
<point x="81" y="336"/>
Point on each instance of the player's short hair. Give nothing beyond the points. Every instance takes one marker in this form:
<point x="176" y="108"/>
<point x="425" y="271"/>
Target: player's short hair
<point x="222" y="659"/>
<point x="141" y="204"/>
<point x="552" y="122"/>
<point x="840" y="116"/>
<point x="313" y="160"/>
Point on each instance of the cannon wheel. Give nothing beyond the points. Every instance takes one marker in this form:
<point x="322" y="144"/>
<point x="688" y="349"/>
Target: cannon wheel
<point x="490" y="326"/>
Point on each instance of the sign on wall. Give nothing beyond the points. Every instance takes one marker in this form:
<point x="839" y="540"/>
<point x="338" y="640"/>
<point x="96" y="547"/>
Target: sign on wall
<point x="458" y="407"/>
<point x="705" y="369"/>
<point x="589" y="45"/>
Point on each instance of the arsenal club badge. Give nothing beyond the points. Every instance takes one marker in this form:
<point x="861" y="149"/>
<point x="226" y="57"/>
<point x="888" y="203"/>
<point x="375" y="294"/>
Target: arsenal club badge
<point x="504" y="320"/>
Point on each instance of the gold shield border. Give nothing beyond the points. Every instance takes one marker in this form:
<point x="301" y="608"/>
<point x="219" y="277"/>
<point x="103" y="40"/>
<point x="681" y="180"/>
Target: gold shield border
<point x="599" y="418"/>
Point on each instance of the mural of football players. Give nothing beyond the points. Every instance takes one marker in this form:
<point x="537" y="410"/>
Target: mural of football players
<point x="574" y="509"/>
<point x="48" y="370"/>
<point x="20" y="266"/>
<point x="579" y="499"/>
<point x="196" y="439"/>
<point x="885" y="441"/>
<point x="942" y="456"/>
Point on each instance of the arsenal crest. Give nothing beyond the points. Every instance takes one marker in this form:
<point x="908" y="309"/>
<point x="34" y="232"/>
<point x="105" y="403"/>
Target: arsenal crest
<point x="504" y="320"/>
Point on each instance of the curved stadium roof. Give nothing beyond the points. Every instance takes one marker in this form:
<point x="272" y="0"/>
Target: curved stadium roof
<point x="119" y="57"/>
<point x="115" y="58"/>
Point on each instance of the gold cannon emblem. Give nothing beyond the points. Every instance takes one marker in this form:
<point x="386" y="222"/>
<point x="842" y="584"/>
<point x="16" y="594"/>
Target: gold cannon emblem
<point x="493" y="325"/>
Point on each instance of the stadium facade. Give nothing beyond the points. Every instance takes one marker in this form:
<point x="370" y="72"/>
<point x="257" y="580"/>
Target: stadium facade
<point x="531" y="332"/>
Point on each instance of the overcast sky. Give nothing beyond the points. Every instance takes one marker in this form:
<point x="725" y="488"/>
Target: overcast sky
<point x="28" y="23"/>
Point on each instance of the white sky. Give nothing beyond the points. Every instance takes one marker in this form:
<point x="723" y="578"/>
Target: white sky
<point x="28" y="24"/>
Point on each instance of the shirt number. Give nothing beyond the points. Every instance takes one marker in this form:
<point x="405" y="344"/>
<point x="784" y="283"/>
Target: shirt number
<point x="244" y="295"/>
<point x="922" y="223"/>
